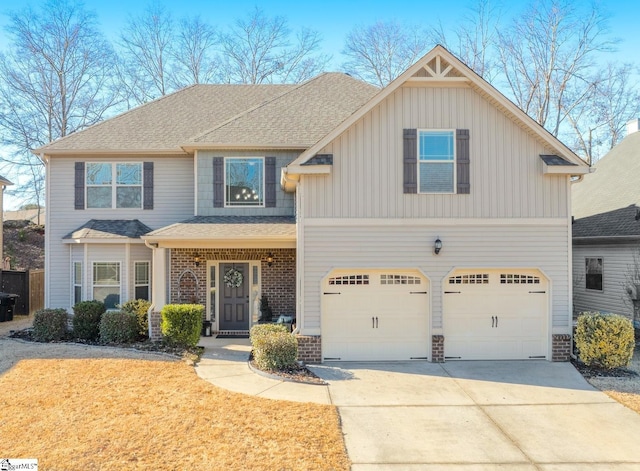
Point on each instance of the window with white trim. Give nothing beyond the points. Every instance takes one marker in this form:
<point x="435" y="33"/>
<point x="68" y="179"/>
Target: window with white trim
<point x="399" y="280"/>
<point x="114" y="185"/>
<point x="593" y="273"/>
<point x="244" y="181"/>
<point x="436" y="161"/>
<point x="141" y="280"/>
<point x="106" y="283"/>
<point x="77" y="282"/>
<point x="470" y="279"/>
<point x="349" y="280"/>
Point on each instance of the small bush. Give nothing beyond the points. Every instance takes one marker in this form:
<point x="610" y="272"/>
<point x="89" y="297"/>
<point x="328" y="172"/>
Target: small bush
<point x="86" y="319"/>
<point x="118" y="327"/>
<point x="139" y="307"/>
<point x="50" y="324"/>
<point x="274" y="349"/>
<point x="182" y="323"/>
<point x="605" y="340"/>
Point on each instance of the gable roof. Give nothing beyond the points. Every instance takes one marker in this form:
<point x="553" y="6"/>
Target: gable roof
<point x="441" y="66"/>
<point x="210" y="116"/>
<point x="606" y="203"/>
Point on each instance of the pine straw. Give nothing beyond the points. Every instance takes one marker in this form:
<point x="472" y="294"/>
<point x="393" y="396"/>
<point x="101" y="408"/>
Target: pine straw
<point x="84" y="414"/>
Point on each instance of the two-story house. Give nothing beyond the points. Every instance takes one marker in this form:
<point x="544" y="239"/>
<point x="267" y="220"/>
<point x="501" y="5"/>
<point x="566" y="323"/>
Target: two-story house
<point x="426" y="220"/>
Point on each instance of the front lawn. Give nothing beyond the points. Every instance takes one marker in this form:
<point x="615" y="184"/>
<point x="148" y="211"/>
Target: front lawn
<point x="83" y="414"/>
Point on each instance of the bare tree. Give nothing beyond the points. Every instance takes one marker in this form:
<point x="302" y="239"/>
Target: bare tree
<point x="193" y="53"/>
<point x="147" y="42"/>
<point x="598" y="120"/>
<point x="475" y="38"/>
<point x="380" y="52"/>
<point x="547" y="55"/>
<point x="258" y="49"/>
<point x="55" y="79"/>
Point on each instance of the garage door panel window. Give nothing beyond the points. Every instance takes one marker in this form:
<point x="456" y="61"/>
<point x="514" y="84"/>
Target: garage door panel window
<point x="399" y="280"/>
<point x="517" y="279"/>
<point x="349" y="280"/>
<point x="470" y="279"/>
<point x="593" y="271"/>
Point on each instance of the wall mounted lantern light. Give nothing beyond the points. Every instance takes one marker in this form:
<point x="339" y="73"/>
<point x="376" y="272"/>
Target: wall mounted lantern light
<point x="269" y="259"/>
<point x="437" y="246"/>
<point x="196" y="260"/>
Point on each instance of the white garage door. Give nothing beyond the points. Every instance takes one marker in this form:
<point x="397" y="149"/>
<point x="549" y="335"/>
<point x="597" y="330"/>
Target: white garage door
<point x="495" y="315"/>
<point x="375" y="315"/>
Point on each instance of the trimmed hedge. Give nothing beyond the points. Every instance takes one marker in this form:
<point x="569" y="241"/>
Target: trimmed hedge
<point x="605" y="340"/>
<point x="274" y="348"/>
<point x="182" y="323"/>
<point x="50" y="324"/>
<point x="140" y="308"/>
<point x="118" y="327"/>
<point x="86" y="319"/>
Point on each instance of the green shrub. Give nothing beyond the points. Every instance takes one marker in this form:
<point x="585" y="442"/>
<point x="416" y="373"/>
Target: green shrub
<point x="50" y="324"/>
<point x="274" y="349"/>
<point x="264" y="329"/>
<point x="139" y="307"/>
<point x="118" y="327"/>
<point x="604" y="340"/>
<point x="182" y="323"/>
<point x="86" y="319"/>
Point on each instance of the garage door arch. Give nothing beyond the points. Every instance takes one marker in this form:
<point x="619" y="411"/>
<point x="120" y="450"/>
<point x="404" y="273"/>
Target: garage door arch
<point x="496" y="314"/>
<point x="375" y="315"/>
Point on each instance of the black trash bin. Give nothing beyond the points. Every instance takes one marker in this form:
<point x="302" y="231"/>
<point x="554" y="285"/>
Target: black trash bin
<point x="7" y="303"/>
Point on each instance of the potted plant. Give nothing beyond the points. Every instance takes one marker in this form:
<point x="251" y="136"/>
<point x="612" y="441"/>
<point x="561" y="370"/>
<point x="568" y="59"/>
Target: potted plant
<point x="266" y="313"/>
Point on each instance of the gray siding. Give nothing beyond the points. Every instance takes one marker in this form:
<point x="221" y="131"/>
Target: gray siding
<point x="617" y="262"/>
<point x="541" y="246"/>
<point x="173" y="201"/>
<point x="367" y="176"/>
<point x="284" y="201"/>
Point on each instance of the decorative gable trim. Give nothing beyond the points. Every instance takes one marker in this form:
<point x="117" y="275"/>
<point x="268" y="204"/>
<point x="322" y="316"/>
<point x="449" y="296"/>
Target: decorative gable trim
<point x="79" y="185"/>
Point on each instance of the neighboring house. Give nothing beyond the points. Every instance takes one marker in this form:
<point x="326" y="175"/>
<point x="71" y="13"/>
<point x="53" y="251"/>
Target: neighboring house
<point x="427" y="220"/>
<point x="606" y="231"/>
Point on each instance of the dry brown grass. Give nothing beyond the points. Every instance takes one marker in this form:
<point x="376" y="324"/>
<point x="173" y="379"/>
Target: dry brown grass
<point x="85" y="414"/>
<point x="631" y="400"/>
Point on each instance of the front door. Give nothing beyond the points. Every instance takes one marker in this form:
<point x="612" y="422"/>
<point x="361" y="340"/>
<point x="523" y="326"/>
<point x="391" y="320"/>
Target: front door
<point x="234" y="296"/>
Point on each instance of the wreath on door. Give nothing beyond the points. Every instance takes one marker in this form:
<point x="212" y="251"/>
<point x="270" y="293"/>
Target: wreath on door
<point x="233" y="278"/>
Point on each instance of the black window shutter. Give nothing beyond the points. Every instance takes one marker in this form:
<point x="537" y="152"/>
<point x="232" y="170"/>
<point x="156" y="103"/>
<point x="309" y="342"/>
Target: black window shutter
<point x="218" y="182"/>
<point x="79" y="186"/>
<point x="462" y="162"/>
<point x="410" y="160"/>
<point x="270" y="182"/>
<point x="147" y="182"/>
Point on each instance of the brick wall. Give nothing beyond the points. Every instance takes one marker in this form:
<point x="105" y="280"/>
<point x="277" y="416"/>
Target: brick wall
<point x="309" y="348"/>
<point x="188" y="282"/>
<point x="561" y="347"/>
<point x="154" y="324"/>
<point x="437" y="348"/>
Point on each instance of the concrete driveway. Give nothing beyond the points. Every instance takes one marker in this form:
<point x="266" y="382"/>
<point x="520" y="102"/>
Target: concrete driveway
<point x="472" y="416"/>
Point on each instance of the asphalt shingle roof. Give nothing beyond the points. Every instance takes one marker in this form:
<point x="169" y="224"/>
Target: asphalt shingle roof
<point x="606" y="202"/>
<point x="109" y="229"/>
<point x="229" y="227"/>
<point x="201" y="115"/>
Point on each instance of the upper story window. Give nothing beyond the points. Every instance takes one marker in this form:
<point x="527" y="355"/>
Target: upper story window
<point x="114" y="185"/>
<point x="593" y="273"/>
<point x="436" y="162"/>
<point x="244" y="181"/>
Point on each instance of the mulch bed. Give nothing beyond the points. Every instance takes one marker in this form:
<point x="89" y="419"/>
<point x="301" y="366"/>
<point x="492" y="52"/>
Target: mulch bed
<point x="595" y="372"/>
<point x="298" y="374"/>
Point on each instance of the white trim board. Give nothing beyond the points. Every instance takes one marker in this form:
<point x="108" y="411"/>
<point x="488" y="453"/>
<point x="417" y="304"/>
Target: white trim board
<point x="433" y="222"/>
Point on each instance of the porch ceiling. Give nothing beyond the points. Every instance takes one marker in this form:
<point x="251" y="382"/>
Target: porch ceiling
<point x="227" y="231"/>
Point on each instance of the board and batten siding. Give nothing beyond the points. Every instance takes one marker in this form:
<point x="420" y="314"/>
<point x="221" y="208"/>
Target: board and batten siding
<point x="617" y="262"/>
<point x="204" y="171"/>
<point x="173" y="202"/>
<point x="405" y="244"/>
<point x="366" y="179"/>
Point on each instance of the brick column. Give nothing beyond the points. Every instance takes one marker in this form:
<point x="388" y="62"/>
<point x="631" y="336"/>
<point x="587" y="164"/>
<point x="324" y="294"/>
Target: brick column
<point x="437" y="348"/>
<point x="309" y="348"/>
<point x="561" y="347"/>
<point x="154" y="326"/>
